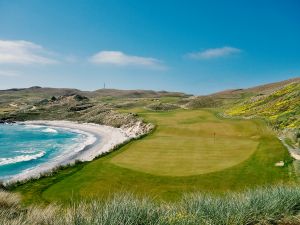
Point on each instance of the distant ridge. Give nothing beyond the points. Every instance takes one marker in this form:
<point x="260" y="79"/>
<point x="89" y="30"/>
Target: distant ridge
<point x="135" y="93"/>
<point x="261" y="89"/>
<point x="46" y="92"/>
<point x="234" y="96"/>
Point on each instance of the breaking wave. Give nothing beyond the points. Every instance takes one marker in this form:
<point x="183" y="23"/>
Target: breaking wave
<point x="21" y="158"/>
<point x="49" y="130"/>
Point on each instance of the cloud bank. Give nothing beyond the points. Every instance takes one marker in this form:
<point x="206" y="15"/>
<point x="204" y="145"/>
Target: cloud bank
<point x="213" y="53"/>
<point x="23" y="52"/>
<point x="119" y="58"/>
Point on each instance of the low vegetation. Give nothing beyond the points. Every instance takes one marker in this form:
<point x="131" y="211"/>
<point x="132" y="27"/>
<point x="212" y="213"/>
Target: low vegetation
<point x="204" y="102"/>
<point x="276" y="205"/>
<point x="281" y="107"/>
<point x="162" y="106"/>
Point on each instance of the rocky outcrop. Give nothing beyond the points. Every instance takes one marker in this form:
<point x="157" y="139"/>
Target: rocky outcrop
<point x="5" y="121"/>
<point x="137" y="129"/>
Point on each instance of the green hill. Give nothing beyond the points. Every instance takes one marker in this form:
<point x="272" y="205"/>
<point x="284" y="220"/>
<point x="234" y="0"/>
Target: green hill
<point x="280" y="107"/>
<point x="234" y="97"/>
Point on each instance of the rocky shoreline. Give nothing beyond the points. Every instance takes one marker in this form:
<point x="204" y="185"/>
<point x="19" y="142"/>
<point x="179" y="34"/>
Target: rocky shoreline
<point x="7" y="121"/>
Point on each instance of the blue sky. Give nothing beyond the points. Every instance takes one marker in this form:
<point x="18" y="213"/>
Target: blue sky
<point x="193" y="46"/>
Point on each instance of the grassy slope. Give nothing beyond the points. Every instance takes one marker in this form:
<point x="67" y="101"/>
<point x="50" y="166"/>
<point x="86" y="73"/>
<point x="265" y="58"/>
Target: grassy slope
<point x="281" y="107"/>
<point x="103" y="176"/>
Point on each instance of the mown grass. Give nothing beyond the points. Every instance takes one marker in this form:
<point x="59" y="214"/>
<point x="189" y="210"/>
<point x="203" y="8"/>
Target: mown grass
<point x="272" y="205"/>
<point x="191" y="142"/>
<point x="103" y="177"/>
<point x="32" y="189"/>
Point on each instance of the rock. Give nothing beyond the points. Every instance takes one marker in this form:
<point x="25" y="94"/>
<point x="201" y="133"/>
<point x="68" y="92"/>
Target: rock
<point x="279" y="164"/>
<point x="136" y="129"/>
<point x="80" y="98"/>
<point x="5" y="121"/>
<point x="79" y="108"/>
<point x="42" y="102"/>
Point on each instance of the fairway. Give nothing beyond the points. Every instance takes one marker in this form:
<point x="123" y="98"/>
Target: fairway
<point x="189" y="143"/>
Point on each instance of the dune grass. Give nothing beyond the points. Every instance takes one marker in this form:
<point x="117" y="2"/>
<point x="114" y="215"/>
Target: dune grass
<point x="105" y="176"/>
<point x="276" y="205"/>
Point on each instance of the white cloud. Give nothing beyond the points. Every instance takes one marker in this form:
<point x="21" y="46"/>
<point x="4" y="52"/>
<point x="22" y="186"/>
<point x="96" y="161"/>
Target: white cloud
<point x="9" y="73"/>
<point x="214" y="53"/>
<point x="121" y="59"/>
<point x="23" y="52"/>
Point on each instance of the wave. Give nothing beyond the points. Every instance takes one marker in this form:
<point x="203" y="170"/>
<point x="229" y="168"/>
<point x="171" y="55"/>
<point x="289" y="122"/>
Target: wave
<point x="26" y="151"/>
<point x="49" y="130"/>
<point x="45" y="128"/>
<point x="33" y="126"/>
<point x="21" y="158"/>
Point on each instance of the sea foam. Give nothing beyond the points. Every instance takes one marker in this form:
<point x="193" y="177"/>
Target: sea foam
<point x="49" y="130"/>
<point x="21" y="158"/>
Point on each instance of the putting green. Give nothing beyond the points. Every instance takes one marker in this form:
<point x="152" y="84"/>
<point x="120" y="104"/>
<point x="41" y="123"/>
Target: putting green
<point x="190" y="143"/>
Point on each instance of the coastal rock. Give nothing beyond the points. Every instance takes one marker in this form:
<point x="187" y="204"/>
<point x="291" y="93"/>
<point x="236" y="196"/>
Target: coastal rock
<point x="137" y="129"/>
<point x="6" y="121"/>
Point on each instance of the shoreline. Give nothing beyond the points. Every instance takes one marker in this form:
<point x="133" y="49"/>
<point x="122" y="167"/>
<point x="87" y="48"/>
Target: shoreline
<point x="100" y="139"/>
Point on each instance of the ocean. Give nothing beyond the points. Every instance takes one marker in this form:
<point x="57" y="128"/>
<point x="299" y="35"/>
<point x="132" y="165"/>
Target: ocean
<point x="24" y="147"/>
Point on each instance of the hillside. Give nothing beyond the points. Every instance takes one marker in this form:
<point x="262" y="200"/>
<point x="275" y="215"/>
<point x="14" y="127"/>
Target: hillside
<point x="37" y="92"/>
<point x="236" y="96"/>
<point x="134" y="93"/>
<point x="257" y="90"/>
<point x="281" y="107"/>
<point x="61" y="103"/>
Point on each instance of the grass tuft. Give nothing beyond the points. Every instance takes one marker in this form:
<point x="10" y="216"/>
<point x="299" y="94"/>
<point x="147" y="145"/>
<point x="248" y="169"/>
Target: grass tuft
<point x="269" y="205"/>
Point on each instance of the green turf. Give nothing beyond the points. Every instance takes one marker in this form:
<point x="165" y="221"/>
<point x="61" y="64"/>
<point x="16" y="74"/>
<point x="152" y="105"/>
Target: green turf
<point x="191" y="143"/>
<point x="248" y="164"/>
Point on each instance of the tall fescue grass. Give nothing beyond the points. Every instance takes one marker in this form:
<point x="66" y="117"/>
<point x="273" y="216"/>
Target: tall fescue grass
<point x="274" y="205"/>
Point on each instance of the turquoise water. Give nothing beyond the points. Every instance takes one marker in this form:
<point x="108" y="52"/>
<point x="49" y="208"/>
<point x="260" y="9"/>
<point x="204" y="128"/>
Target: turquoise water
<point x="23" y="147"/>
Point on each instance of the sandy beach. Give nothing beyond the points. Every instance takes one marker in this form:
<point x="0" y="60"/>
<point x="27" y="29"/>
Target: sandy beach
<point x="100" y="139"/>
